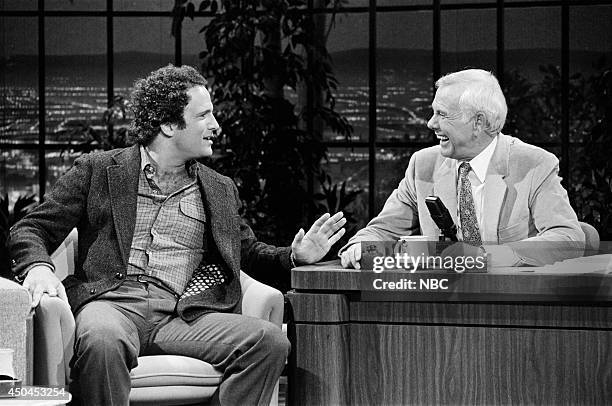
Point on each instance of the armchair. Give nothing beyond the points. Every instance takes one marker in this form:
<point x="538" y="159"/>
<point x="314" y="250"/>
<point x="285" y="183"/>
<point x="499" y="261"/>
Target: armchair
<point x="158" y="379"/>
<point x="16" y="327"/>
<point x="591" y="235"/>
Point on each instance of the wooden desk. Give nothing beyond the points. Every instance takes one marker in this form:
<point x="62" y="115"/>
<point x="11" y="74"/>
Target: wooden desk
<point x="496" y="338"/>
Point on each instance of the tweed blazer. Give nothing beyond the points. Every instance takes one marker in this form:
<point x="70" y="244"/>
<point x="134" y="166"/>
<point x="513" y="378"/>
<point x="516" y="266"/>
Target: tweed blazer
<point x="525" y="207"/>
<point x="98" y="195"/>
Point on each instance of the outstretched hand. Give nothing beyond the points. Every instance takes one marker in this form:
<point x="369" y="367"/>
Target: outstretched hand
<point x="311" y="246"/>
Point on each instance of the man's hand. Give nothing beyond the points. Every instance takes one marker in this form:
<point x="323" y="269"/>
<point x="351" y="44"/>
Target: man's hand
<point x="41" y="279"/>
<point x="310" y="247"/>
<point x="351" y="257"/>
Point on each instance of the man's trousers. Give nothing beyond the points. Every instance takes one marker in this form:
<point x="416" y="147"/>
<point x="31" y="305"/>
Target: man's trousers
<point x="139" y="318"/>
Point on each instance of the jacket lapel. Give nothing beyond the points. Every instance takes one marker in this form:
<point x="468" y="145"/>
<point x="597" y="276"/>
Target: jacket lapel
<point x="223" y="228"/>
<point x="445" y="186"/>
<point x="123" y="190"/>
<point x="495" y="188"/>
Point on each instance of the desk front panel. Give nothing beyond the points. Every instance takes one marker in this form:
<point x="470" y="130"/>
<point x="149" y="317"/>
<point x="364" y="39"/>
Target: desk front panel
<point x="349" y="352"/>
<point x="454" y="365"/>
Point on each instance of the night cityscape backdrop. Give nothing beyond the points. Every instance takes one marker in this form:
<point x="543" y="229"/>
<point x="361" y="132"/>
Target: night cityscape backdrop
<point x="76" y="77"/>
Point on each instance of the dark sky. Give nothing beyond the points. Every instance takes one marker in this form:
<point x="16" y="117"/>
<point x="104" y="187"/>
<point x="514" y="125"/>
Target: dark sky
<point x="461" y="30"/>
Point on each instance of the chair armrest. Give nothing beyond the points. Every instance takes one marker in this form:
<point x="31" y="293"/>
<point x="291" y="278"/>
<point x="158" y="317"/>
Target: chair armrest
<point x="14" y="299"/>
<point x="53" y="341"/>
<point x="261" y="301"/>
<point x="15" y="325"/>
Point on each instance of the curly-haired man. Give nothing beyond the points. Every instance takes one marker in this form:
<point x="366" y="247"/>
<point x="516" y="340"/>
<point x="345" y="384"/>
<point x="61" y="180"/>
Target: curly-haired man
<point x="150" y="220"/>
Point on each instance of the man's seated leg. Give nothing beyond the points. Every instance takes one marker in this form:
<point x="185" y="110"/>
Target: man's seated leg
<point x="251" y="352"/>
<point x="106" y="348"/>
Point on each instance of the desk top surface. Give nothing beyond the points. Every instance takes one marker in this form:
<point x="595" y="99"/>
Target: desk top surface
<point x="499" y="284"/>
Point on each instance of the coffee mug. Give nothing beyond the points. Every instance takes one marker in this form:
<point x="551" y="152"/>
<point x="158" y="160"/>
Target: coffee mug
<point x="415" y="244"/>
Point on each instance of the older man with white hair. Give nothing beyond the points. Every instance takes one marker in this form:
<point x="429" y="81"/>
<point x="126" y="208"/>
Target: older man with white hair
<point x="504" y="195"/>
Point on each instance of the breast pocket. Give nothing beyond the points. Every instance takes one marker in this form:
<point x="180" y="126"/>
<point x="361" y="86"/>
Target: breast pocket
<point x="515" y="232"/>
<point x="190" y="230"/>
<point x="192" y="208"/>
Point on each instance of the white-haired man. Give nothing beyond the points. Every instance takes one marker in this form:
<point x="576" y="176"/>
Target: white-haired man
<point x="504" y="195"/>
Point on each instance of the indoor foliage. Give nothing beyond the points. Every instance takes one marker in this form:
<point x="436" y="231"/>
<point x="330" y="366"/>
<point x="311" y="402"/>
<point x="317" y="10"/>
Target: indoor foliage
<point x="534" y="112"/>
<point x="272" y="84"/>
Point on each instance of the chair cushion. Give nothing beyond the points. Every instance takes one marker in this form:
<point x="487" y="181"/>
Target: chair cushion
<point x="173" y="370"/>
<point x="171" y="395"/>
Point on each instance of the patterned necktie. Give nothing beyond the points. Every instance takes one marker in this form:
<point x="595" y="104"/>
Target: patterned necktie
<point x="469" y="223"/>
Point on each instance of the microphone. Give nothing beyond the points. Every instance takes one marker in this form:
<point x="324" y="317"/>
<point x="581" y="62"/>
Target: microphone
<point x="440" y="215"/>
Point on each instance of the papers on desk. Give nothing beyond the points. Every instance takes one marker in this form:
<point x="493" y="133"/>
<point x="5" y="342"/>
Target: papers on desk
<point x="598" y="264"/>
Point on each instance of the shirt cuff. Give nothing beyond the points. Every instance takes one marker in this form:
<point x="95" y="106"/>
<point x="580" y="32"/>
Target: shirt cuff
<point x="501" y="255"/>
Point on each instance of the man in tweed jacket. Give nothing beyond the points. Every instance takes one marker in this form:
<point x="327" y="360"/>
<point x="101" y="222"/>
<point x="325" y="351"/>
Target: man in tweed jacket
<point x="149" y="219"/>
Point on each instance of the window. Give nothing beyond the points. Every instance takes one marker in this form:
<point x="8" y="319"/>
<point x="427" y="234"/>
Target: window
<point x="63" y="63"/>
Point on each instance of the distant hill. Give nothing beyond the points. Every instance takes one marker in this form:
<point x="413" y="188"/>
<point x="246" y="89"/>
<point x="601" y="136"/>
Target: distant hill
<point x="86" y="70"/>
<point x="90" y="70"/>
<point x="419" y="62"/>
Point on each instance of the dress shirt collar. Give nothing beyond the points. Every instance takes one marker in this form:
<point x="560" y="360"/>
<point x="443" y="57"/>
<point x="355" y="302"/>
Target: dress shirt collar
<point x="480" y="163"/>
<point x="146" y="159"/>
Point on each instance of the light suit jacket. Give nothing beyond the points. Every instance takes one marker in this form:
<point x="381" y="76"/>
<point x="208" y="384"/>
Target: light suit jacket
<point x="98" y="195"/>
<point x="525" y="207"/>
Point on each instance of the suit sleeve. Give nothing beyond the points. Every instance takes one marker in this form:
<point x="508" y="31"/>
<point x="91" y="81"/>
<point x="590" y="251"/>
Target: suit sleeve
<point x="559" y="235"/>
<point x="258" y="259"/>
<point x="38" y="234"/>
<point x="399" y="215"/>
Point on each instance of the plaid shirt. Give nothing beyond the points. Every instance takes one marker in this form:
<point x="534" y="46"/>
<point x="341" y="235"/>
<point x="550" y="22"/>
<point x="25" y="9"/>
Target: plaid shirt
<point x="168" y="241"/>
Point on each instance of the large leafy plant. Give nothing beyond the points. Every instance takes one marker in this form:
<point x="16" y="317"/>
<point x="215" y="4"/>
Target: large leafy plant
<point x="534" y="113"/>
<point x="272" y="83"/>
<point x="591" y="175"/>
